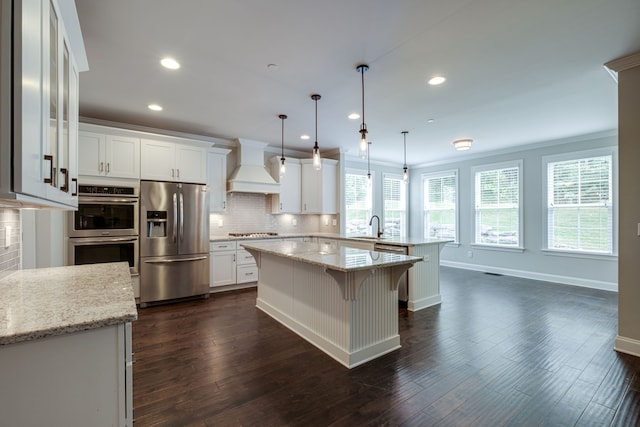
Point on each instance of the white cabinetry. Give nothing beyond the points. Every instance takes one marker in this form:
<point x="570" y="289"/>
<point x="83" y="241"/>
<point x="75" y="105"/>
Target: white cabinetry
<point x="319" y="188"/>
<point x="223" y="263"/>
<point x="39" y="106"/>
<point x="289" y="199"/>
<point x="217" y="179"/>
<point x="79" y="379"/>
<point x="246" y="269"/>
<point x="107" y="155"/>
<point x="169" y="161"/>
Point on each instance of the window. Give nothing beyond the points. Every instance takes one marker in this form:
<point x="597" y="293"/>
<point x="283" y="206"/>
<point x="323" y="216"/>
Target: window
<point x="580" y="203"/>
<point x="498" y="219"/>
<point x="395" y="206"/>
<point x="358" y="202"/>
<point x="441" y="205"/>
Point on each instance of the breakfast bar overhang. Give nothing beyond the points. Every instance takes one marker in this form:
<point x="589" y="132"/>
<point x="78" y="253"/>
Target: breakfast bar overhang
<point x="342" y="300"/>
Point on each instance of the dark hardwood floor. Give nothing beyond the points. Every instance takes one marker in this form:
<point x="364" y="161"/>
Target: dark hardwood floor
<point x="498" y="351"/>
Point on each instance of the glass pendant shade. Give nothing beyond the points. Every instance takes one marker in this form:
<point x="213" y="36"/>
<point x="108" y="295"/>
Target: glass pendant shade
<point x="283" y="168"/>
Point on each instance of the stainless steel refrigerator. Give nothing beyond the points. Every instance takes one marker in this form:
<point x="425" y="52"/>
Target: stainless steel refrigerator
<point x="174" y="241"/>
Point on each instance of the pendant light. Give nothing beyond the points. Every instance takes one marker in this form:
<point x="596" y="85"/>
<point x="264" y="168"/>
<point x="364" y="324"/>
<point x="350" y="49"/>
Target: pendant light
<point x="364" y="146"/>
<point x="405" y="170"/>
<point x="317" y="164"/>
<point x="282" y="166"/>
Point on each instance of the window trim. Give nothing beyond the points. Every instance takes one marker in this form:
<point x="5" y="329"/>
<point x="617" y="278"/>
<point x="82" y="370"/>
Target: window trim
<point x="441" y="174"/>
<point x="362" y="172"/>
<point x="518" y="163"/>
<point x="406" y="201"/>
<point x="578" y="155"/>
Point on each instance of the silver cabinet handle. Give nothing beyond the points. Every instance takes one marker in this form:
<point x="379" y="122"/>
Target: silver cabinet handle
<point x="178" y="173"/>
<point x="234" y="258"/>
<point x="108" y="167"/>
<point x="101" y="168"/>
<point x="224" y="204"/>
<point x="173" y="173"/>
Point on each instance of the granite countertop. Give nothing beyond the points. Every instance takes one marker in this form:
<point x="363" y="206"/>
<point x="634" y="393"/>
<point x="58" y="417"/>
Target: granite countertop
<point x="330" y="256"/>
<point x="55" y="301"/>
<point x="396" y="241"/>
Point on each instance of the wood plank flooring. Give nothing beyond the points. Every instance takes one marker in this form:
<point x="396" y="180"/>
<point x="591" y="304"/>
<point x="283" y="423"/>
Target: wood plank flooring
<point x="498" y="351"/>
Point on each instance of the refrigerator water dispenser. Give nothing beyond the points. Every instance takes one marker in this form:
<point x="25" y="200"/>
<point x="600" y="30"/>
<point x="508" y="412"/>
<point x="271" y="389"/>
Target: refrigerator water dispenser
<point x="156" y="224"/>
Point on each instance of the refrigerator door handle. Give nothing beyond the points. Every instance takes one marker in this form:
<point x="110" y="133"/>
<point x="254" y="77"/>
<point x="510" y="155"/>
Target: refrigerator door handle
<point x="162" y="261"/>
<point x="181" y="217"/>
<point x="175" y="216"/>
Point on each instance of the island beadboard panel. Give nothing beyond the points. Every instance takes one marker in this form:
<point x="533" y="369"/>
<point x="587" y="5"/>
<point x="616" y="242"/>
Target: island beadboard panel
<point x="427" y="275"/>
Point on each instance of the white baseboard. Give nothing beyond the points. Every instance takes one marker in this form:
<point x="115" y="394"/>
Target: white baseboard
<point x="424" y="303"/>
<point x="566" y="280"/>
<point x="627" y="345"/>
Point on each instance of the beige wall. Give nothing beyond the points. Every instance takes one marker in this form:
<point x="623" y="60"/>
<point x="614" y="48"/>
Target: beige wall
<point x="628" y="339"/>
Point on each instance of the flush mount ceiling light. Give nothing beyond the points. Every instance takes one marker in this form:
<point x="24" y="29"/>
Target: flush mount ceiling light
<point x="317" y="164"/>
<point x="364" y="147"/>
<point x="405" y="169"/>
<point x="305" y="137"/>
<point x="436" y="80"/>
<point x="282" y="166"/>
<point x="354" y="116"/>
<point x="154" y="107"/>
<point x="170" y="63"/>
<point x="462" y="144"/>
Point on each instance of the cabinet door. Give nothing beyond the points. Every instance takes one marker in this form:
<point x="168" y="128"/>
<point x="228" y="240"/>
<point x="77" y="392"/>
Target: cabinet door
<point x="191" y="164"/>
<point x="91" y="153"/>
<point x="217" y="181"/>
<point x="157" y="160"/>
<point x="311" y="189"/>
<point x="122" y="157"/>
<point x="223" y="268"/>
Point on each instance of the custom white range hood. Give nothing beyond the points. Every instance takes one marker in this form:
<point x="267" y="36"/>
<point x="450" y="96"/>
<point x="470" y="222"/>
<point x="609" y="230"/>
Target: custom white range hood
<point x="250" y="176"/>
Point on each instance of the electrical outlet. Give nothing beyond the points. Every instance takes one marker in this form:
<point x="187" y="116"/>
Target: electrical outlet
<point x="294" y="222"/>
<point x="334" y="222"/>
<point x="7" y="236"/>
<point x="469" y="254"/>
<point x="220" y="223"/>
<point x="326" y="222"/>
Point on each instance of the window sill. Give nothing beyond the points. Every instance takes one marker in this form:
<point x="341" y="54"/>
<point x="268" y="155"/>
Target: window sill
<point x="497" y="248"/>
<point x="576" y="254"/>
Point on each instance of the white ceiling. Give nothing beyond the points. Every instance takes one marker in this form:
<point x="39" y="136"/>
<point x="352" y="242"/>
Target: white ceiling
<point x="518" y="71"/>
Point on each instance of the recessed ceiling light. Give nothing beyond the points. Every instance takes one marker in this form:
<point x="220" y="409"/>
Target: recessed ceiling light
<point x="430" y="120"/>
<point x="170" y="63"/>
<point x="354" y="116"/>
<point x="305" y="136"/>
<point x="437" y="80"/>
<point x="154" y="107"/>
<point x="272" y="66"/>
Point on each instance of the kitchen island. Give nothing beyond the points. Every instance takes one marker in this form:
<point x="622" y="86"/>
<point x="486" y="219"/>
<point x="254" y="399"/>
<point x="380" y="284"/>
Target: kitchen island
<point x="65" y="346"/>
<point x="342" y="300"/>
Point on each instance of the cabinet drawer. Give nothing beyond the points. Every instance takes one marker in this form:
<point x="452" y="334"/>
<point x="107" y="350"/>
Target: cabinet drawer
<point x="247" y="273"/>
<point x="222" y="246"/>
<point x="245" y="258"/>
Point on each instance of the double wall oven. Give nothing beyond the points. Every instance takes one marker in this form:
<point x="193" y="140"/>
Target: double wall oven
<point x="105" y="226"/>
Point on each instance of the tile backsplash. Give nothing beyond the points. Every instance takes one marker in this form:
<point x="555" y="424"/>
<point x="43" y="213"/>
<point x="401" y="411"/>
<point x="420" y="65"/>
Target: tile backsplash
<point x="249" y="212"/>
<point x="9" y="251"/>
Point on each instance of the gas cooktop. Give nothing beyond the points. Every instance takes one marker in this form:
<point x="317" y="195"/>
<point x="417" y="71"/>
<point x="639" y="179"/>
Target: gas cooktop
<point x="259" y="234"/>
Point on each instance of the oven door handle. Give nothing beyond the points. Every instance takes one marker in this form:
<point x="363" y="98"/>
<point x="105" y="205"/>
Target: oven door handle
<point x="106" y="200"/>
<point x="103" y="240"/>
<point x="162" y="261"/>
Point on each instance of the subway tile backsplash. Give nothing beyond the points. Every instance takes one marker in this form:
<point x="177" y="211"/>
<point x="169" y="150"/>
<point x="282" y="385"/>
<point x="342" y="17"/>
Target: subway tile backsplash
<point x="9" y="255"/>
<point x="249" y="212"/>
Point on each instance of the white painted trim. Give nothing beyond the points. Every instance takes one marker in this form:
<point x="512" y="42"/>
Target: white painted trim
<point x="424" y="303"/>
<point x="627" y="345"/>
<point x="555" y="278"/>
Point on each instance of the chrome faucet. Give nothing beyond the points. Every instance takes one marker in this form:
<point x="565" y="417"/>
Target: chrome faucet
<point x="371" y="223"/>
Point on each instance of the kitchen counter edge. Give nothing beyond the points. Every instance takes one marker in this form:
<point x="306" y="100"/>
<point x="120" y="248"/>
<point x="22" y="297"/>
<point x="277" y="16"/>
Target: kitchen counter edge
<point x="394" y="241"/>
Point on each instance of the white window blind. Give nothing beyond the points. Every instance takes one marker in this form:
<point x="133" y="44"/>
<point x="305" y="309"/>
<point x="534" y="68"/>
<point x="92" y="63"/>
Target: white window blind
<point x="358" y="202"/>
<point x="440" y="206"/>
<point x="579" y="205"/>
<point x="395" y="206"/>
<point x="497" y="210"/>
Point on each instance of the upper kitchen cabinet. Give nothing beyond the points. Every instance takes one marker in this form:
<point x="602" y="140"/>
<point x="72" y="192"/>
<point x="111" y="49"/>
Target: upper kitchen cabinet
<point x="319" y="188"/>
<point x="41" y="54"/>
<point x="105" y="155"/>
<point x="289" y="199"/>
<point x="217" y="179"/>
<point x="169" y="161"/>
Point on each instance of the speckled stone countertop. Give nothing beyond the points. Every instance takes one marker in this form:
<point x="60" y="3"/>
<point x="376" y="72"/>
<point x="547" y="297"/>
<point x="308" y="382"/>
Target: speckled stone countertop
<point x="55" y="301"/>
<point x="394" y="241"/>
<point x="330" y="256"/>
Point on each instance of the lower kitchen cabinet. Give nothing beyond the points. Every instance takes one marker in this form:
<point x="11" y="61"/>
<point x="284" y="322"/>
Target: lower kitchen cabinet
<point x="222" y="263"/>
<point x="246" y="268"/>
<point x="77" y="379"/>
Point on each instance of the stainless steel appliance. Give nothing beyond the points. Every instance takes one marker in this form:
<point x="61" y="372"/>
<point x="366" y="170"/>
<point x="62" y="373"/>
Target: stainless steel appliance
<point x="105" y="211"/>
<point x="403" y="285"/>
<point x="105" y="226"/>
<point x="174" y="241"/>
